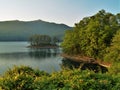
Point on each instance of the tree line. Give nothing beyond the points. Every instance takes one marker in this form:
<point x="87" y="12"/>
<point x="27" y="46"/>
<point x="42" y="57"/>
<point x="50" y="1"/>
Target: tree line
<point x="42" y="40"/>
<point x="97" y="36"/>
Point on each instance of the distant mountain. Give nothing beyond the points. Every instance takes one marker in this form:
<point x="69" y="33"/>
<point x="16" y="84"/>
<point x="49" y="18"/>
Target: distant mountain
<point x="22" y="30"/>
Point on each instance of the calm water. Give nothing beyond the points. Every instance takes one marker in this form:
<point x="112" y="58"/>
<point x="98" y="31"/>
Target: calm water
<point x="17" y="53"/>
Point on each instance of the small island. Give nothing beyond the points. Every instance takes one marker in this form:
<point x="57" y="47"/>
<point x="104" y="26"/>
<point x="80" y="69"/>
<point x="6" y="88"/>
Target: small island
<point x="43" y="42"/>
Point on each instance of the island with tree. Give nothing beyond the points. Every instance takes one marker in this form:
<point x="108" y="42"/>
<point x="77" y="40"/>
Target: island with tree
<point x="43" y="41"/>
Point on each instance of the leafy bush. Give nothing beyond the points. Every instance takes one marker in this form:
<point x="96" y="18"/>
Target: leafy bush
<point x="113" y="52"/>
<point x="115" y="69"/>
<point x="20" y="78"/>
<point x="26" y="78"/>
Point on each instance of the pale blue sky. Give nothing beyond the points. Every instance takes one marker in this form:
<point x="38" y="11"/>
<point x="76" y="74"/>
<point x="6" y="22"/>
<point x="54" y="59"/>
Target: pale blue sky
<point x="59" y="11"/>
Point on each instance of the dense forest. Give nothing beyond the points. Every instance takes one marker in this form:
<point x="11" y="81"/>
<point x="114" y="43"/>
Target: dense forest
<point x="97" y="36"/>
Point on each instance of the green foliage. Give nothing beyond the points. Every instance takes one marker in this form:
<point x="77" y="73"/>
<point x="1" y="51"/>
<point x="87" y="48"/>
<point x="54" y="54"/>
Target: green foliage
<point x="92" y="35"/>
<point x="55" y="39"/>
<point x="20" y="78"/>
<point x="113" y="52"/>
<point x="115" y="68"/>
<point x="70" y="45"/>
<point x="25" y="78"/>
<point x="38" y="40"/>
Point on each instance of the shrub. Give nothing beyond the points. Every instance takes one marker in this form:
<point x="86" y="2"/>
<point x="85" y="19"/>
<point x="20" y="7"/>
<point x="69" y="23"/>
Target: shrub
<point x="26" y="78"/>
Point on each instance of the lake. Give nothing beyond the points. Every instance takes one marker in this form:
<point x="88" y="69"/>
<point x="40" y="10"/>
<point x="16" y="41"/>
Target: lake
<point x="49" y="60"/>
<point x="17" y="53"/>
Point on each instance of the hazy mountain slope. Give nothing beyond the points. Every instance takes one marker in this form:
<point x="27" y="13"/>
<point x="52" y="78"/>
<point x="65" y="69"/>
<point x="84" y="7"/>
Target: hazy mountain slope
<point x="20" y="30"/>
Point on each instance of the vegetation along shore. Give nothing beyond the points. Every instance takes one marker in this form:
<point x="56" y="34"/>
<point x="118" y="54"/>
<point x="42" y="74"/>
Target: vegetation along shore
<point x="95" y="39"/>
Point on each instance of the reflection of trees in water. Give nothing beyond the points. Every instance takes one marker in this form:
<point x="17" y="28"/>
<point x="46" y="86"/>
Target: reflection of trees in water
<point x="32" y="53"/>
<point x="83" y="66"/>
<point x="42" y="53"/>
<point x="14" y="55"/>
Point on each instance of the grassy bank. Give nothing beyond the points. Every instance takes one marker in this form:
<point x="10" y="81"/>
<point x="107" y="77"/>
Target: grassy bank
<point x="26" y="78"/>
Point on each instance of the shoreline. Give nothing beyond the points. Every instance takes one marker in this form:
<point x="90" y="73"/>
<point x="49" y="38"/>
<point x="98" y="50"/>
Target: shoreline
<point x="85" y="59"/>
<point x="44" y="47"/>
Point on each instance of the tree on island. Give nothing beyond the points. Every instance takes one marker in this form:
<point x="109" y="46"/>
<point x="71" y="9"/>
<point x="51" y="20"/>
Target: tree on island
<point x="54" y="40"/>
<point x="40" y="40"/>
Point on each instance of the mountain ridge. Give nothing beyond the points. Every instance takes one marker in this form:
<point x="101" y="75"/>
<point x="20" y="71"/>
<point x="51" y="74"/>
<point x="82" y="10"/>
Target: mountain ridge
<point x="16" y="30"/>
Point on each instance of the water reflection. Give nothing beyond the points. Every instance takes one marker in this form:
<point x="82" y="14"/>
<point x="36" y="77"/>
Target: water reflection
<point x="43" y="53"/>
<point x="66" y="63"/>
<point x="32" y="53"/>
<point x="17" y="53"/>
<point x="43" y="59"/>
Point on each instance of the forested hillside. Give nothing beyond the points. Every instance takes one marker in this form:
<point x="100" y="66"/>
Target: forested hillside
<point x="21" y="30"/>
<point x="95" y="36"/>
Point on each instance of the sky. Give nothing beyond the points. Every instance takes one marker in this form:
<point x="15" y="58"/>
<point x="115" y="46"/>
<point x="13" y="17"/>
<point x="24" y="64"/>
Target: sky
<point x="60" y="11"/>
